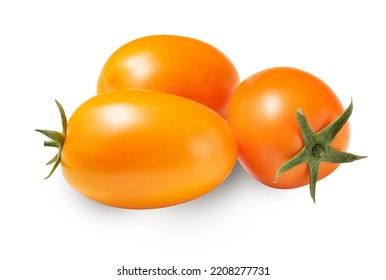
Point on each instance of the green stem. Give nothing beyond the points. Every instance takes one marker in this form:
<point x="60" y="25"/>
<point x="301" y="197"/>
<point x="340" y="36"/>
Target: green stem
<point x="50" y="143"/>
<point x="57" y="139"/>
<point x="317" y="147"/>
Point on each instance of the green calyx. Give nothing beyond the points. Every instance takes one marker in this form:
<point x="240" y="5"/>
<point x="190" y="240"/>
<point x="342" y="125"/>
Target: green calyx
<point x="317" y="147"/>
<point x="57" y="139"/>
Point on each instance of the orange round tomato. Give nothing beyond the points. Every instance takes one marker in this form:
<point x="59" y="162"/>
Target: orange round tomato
<point x="262" y="114"/>
<point x="174" y="64"/>
<point x="146" y="149"/>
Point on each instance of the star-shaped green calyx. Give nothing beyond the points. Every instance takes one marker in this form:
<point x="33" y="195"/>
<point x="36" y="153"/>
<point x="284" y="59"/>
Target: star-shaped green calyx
<point x="57" y="139"/>
<point x="317" y="147"/>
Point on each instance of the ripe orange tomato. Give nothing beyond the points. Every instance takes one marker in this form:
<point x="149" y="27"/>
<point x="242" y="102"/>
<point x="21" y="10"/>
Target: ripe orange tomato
<point x="146" y="149"/>
<point x="174" y="64"/>
<point x="262" y="114"/>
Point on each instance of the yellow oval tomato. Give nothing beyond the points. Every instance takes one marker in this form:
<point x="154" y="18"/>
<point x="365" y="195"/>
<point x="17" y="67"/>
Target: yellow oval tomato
<point x="174" y="64"/>
<point x="262" y="115"/>
<point x="145" y="149"/>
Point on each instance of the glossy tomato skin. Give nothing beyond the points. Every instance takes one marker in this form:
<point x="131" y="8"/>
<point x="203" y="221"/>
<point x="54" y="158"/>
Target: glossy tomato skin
<point x="174" y="64"/>
<point x="262" y="115"/>
<point x="143" y="149"/>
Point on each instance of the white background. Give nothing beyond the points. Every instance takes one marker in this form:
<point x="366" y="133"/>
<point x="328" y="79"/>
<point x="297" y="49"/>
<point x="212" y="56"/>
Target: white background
<point x="55" y="50"/>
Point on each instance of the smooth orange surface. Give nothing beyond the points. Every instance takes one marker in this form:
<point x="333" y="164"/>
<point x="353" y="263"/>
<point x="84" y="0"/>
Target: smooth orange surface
<point x="174" y="64"/>
<point x="262" y="114"/>
<point x="146" y="149"/>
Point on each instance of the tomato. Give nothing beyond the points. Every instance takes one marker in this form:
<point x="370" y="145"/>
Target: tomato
<point x="145" y="149"/>
<point x="174" y="64"/>
<point x="263" y="116"/>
